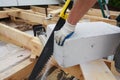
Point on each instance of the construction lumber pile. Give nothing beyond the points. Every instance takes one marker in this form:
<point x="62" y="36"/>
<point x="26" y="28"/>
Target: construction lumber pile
<point x="16" y="37"/>
<point x="22" y="20"/>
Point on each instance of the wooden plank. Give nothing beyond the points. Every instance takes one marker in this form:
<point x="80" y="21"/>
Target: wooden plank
<point x="97" y="12"/>
<point x="4" y="14"/>
<point x="54" y="19"/>
<point x="29" y="16"/>
<point x="18" y="72"/>
<point x="38" y="18"/>
<point x="113" y="69"/>
<point x="94" y="18"/>
<point x="91" y="16"/>
<point x="19" y="38"/>
<point x="10" y="57"/>
<point x="29" y="11"/>
<point x="114" y="14"/>
<point x="18" y="19"/>
<point x="94" y="12"/>
<point x="40" y="9"/>
<point x="55" y="12"/>
<point x="32" y="17"/>
<point x="96" y="70"/>
<point x="26" y="15"/>
<point x="111" y="66"/>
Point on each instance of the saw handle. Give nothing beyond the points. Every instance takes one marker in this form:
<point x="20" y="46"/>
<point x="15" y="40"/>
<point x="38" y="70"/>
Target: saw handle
<point x="38" y="30"/>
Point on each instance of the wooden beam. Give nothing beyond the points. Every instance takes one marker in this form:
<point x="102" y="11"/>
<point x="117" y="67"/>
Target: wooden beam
<point x="32" y="17"/>
<point x="29" y="17"/>
<point x="114" y="14"/>
<point x="90" y="15"/>
<point x="45" y="22"/>
<point x="77" y="70"/>
<point x="19" y="71"/>
<point x="97" y="12"/>
<point x="111" y="66"/>
<point x="95" y="18"/>
<point x="29" y="11"/>
<point x="19" y="38"/>
<point x="55" y="12"/>
<point x="91" y="18"/>
<point x="96" y="70"/>
<point x="38" y="18"/>
<point x="40" y="9"/>
<point x="4" y="14"/>
<point x="26" y="15"/>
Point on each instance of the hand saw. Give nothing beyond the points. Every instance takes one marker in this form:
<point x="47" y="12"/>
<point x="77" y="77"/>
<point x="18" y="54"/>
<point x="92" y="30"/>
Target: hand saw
<point x="47" y="51"/>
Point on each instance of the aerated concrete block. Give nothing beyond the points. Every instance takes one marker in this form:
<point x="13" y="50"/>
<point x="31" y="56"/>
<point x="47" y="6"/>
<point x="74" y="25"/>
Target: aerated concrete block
<point x="90" y="41"/>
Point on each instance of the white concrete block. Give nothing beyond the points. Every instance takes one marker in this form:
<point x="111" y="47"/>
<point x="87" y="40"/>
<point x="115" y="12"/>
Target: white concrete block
<point x="91" y="40"/>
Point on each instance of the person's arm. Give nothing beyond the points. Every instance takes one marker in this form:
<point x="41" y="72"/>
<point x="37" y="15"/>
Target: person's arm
<point x="79" y="9"/>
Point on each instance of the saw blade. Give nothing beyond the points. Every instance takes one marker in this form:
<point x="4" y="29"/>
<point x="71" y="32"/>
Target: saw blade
<point x="47" y="52"/>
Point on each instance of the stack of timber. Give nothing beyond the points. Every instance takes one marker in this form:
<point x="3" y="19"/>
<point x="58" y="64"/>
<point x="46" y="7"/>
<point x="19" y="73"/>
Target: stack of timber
<point x="99" y="69"/>
<point x="16" y="37"/>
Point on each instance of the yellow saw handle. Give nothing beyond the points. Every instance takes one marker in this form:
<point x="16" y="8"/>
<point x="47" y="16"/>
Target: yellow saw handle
<point x="63" y="13"/>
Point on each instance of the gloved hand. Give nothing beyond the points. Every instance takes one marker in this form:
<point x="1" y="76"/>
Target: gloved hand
<point x="65" y="32"/>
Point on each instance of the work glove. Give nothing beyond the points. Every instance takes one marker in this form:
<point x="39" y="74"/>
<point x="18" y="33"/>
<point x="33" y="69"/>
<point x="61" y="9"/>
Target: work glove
<point x="64" y="33"/>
